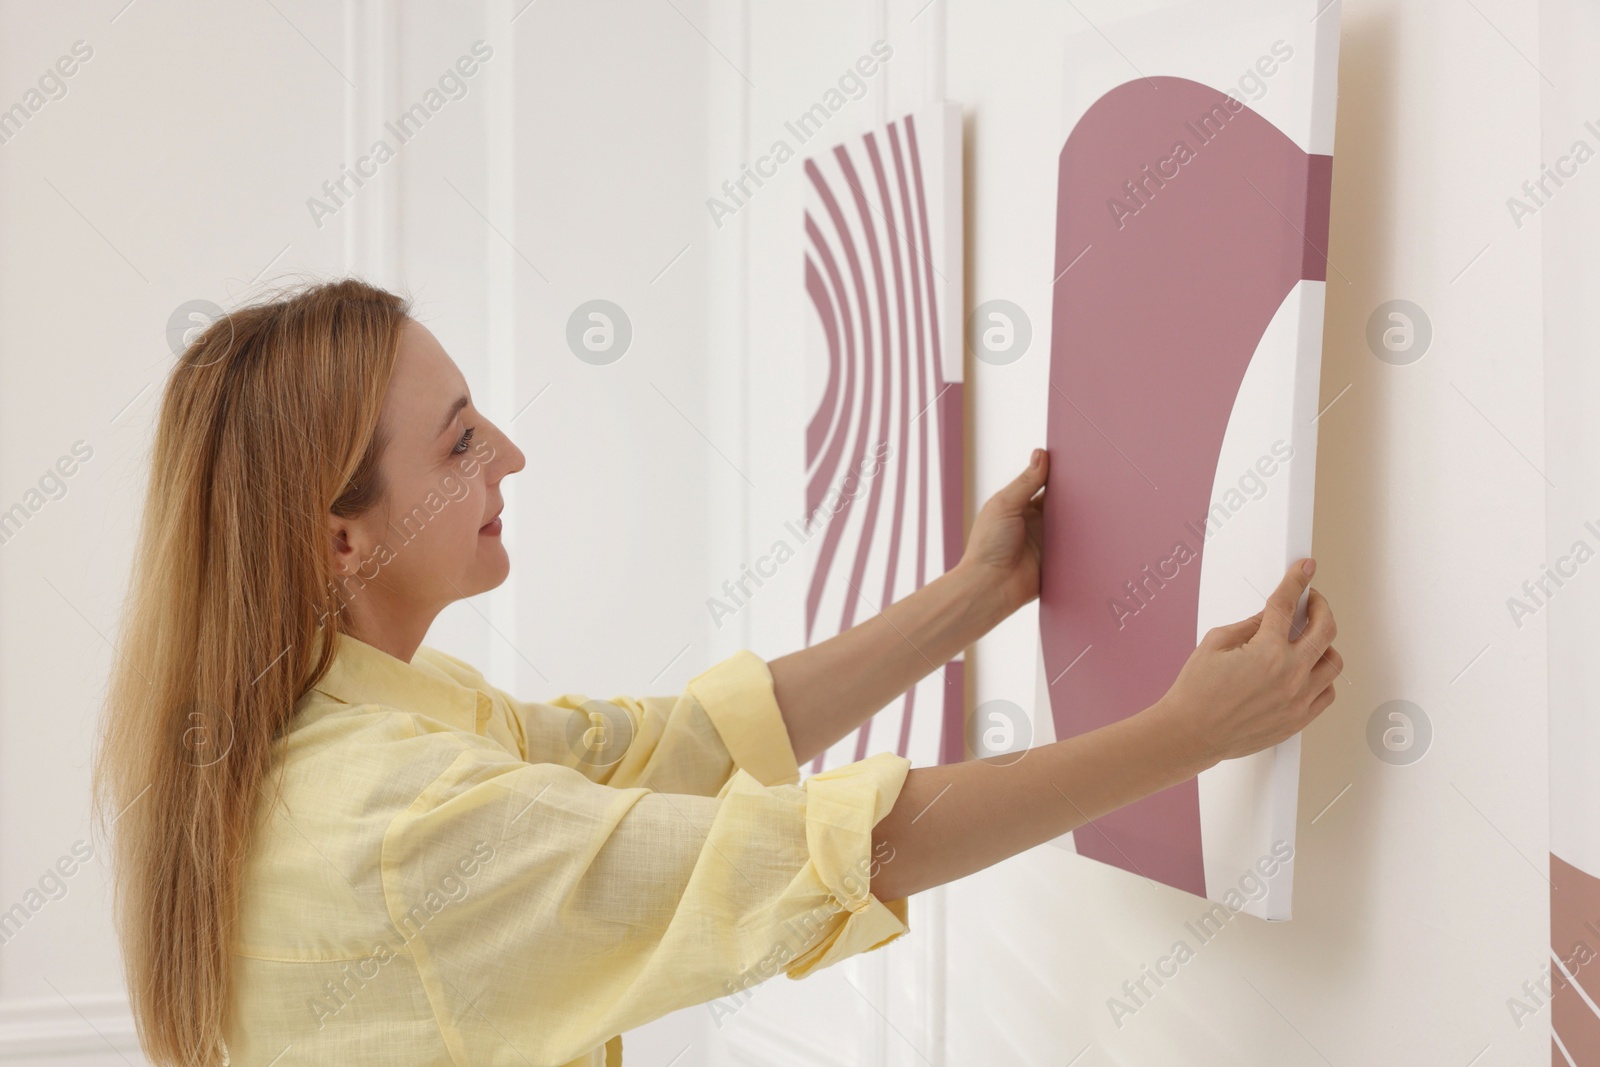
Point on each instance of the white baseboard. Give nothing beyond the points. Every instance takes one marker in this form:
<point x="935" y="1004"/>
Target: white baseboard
<point x="87" y="1029"/>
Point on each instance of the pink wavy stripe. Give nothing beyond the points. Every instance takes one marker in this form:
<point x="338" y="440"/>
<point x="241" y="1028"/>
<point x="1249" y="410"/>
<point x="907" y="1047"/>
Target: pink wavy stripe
<point x="885" y="394"/>
<point x="1151" y="336"/>
<point x="864" y="542"/>
<point x="897" y="250"/>
<point x="921" y="359"/>
<point x="920" y="350"/>
<point x="823" y="474"/>
<point x="822" y="302"/>
<point x="835" y="531"/>
<point x="951" y="466"/>
<point x="820" y="477"/>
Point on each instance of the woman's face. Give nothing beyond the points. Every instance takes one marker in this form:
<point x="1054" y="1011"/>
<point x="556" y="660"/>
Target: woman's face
<point x="434" y="538"/>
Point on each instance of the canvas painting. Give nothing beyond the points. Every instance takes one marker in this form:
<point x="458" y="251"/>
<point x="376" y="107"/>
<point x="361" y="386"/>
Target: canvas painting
<point x="1191" y="230"/>
<point x="883" y="479"/>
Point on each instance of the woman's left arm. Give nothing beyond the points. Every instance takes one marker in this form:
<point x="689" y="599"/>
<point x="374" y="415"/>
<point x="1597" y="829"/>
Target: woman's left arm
<point x="831" y="688"/>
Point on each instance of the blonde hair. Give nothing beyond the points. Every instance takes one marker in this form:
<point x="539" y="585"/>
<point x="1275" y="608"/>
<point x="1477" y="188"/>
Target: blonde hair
<point x="268" y="422"/>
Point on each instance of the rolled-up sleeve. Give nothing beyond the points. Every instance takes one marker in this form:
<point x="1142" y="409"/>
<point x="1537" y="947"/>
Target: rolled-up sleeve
<point x="591" y="909"/>
<point x="726" y="719"/>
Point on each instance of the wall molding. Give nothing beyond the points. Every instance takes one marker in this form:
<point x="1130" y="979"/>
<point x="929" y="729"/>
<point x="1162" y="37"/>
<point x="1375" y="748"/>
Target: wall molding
<point x="761" y="1043"/>
<point x="92" y="1024"/>
<point x="371" y="54"/>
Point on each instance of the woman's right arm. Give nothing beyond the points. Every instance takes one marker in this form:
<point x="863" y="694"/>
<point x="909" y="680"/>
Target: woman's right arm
<point x="1246" y="687"/>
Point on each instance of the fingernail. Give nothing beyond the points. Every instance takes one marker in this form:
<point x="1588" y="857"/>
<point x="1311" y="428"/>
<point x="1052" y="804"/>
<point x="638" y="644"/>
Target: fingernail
<point x="1038" y="454"/>
<point x="1309" y="567"/>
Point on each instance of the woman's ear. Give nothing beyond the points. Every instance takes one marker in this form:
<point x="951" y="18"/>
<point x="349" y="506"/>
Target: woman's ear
<point x="346" y="553"/>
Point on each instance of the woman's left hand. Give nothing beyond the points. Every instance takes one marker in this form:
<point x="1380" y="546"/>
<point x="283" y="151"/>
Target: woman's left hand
<point x="1003" y="550"/>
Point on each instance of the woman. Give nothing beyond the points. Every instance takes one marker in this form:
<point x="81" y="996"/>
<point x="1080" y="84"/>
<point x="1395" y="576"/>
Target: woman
<point x="336" y="845"/>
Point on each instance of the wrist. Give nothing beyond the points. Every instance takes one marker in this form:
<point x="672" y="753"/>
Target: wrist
<point x="1185" y="743"/>
<point x="981" y="596"/>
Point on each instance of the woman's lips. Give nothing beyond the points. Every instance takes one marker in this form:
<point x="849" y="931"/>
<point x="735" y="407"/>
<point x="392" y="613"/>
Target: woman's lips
<point x="491" y="528"/>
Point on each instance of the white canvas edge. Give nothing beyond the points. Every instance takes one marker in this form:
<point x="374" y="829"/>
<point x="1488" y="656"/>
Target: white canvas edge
<point x="1260" y="521"/>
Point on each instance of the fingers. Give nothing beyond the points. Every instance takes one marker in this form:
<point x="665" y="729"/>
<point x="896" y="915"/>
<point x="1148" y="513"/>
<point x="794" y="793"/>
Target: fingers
<point x="1319" y="705"/>
<point x="1021" y="488"/>
<point x="1320" y="628"/>
<point x="1233" y="634"/>
<point x="1325" y="671"/>
<point x="1278" y="616"/>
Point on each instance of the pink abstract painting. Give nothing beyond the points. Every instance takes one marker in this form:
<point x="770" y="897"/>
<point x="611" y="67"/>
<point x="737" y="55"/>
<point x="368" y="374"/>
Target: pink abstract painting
<point x="883" y="444"/>
<point x="1191" y="232"/>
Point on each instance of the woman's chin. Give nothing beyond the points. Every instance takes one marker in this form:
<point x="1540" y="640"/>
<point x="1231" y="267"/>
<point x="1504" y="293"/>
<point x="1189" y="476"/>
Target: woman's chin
<point x="494" y="562"/>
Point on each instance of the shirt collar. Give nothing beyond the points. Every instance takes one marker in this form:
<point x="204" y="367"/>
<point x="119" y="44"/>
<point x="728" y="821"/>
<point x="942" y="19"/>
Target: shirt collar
<point x="363" y="674"/>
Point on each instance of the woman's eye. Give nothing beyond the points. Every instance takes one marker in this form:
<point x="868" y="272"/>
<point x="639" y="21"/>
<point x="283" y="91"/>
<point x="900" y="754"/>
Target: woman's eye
<point x="461" y="445"/>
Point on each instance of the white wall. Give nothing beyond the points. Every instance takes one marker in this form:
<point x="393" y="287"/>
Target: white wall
<point x="1568" y="208"/>
<point x="1420" y="894"/>
<point x="178" y="164"/>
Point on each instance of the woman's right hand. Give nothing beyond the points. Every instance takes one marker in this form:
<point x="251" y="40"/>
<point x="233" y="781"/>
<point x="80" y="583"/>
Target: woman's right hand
<point x="1250" y="685"/>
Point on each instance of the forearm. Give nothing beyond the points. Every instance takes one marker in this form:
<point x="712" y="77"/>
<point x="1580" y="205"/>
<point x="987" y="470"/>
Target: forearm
<point x="952" y="820"/>
<point x="829" y="689"/>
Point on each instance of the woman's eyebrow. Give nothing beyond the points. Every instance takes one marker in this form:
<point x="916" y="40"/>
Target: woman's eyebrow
<point x="461" y="402"/>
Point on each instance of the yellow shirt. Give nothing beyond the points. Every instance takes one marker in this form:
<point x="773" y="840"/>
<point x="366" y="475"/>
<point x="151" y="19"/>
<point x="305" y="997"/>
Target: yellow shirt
<point x="456" y="876"/>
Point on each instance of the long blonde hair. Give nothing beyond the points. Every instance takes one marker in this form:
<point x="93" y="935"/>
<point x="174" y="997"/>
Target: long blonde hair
<point x="268" y="422"/>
